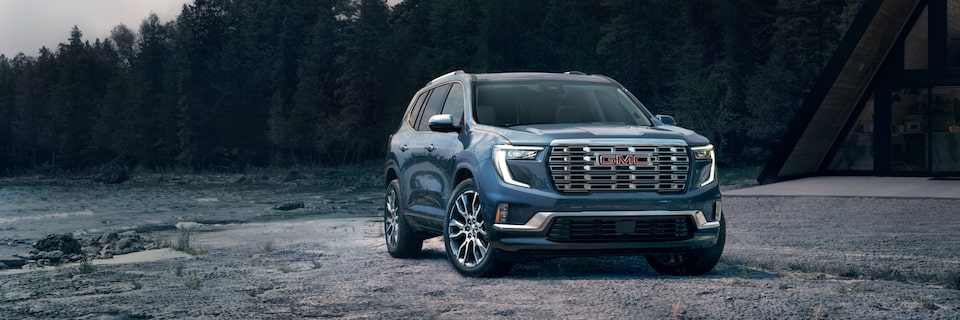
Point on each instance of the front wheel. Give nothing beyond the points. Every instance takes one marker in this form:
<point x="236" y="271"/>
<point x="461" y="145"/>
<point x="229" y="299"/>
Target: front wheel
<point x="694" y="262"/>
<point x="465" y="235"/>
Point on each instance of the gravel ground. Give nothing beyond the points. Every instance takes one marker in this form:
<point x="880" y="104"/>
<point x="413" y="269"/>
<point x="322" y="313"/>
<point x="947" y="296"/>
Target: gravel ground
<point x="786" y="257"/>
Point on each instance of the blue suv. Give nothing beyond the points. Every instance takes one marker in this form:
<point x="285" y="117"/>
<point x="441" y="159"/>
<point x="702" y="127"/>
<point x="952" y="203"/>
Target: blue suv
<point x="510" y="166"/>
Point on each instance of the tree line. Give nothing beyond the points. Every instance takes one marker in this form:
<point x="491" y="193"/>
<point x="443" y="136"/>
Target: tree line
<point x="236" y="83"/>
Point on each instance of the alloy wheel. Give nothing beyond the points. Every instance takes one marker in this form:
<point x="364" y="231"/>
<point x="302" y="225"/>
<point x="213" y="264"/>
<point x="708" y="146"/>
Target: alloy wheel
<point x="391" y="219"/>
<point x="467" y="235"/>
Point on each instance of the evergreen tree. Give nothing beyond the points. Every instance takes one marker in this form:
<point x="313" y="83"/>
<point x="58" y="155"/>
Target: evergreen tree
<point x="125" y="42"/>
<point x="200" y="38"/>
<point x="314" y="100"/>
<point x="154" y="119"/>
<point x="236" y="83"/>
<point x="570" y="32"/>
<point x="73" y="101"/>
<point x="451" y="35"/>
<point x="508" y="38"/>
<point x="6" y="113"/>
<point x="630" y="49"/>
<point x="359" y="83"/>
<point x="407" y="62"/>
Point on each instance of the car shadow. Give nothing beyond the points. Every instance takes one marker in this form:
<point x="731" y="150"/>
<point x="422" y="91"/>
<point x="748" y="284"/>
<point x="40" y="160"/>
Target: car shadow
<point x="604" y="267"/>
<point x="631" y="267"/>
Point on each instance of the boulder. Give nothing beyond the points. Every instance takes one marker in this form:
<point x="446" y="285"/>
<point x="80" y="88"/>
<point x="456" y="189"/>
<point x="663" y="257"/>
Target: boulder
<point x="51" y="256"/>
<point x="123" y="244"/>
<point x="108" y="237"/>
<point x="65" y="243"/>
<point x="133" y="235"/>
<point x="291" y="176"/>
<point x="13" y="262"/>
<point x="26" y="255"/>
<point x="113" y="176"/>
<point x="289" y="206"/>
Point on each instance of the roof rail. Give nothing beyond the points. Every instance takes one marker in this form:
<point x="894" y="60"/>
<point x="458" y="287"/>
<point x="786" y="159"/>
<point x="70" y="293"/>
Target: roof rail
<point x="575" y="72"/>
<point x="447" y="75"/>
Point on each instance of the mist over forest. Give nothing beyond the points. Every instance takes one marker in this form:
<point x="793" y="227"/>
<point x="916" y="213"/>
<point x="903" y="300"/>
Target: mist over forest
<point x="240" y="83"/>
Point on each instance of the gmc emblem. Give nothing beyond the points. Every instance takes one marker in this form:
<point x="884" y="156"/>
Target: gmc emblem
<point x="631" y="159"/>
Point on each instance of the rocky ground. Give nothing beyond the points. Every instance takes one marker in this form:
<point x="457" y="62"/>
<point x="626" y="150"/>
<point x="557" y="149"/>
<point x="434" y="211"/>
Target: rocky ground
<point x="786" y="257"/>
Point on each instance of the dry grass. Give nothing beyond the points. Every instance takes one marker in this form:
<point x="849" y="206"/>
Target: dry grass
<point x="185" y="245"/>
<point x="819" y="312"/>
<point x="266" y="246"/>
<point x="193" y="283"/>
<point x="676" y="310"/>
<point x="841" y="269"/>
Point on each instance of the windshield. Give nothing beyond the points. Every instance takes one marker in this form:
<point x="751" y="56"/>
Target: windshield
<point x="526" y="103"/>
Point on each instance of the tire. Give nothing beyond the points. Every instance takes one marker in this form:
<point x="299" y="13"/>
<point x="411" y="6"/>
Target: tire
<point x="402" y="241"/>
<point x="692" y="263"/>
<point x="465" y="235"/>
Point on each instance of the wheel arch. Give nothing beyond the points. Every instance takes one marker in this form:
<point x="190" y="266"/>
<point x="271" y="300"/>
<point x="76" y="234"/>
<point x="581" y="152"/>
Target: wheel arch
<point x="462" y="174"/>
<point x="389" y="175"/>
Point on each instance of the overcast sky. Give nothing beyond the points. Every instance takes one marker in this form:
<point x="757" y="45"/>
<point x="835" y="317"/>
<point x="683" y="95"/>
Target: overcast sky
<point x="27" y="25"/>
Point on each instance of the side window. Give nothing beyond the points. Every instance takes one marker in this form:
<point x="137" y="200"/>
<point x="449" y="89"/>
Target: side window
<point x="454" y="104"/>
<point x="432" y="107"/>
<point x="416" y="108"/>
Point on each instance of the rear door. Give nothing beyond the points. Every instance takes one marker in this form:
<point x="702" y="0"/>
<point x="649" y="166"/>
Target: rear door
<point x="401" y="149"/>
<point x="424" y="182"/>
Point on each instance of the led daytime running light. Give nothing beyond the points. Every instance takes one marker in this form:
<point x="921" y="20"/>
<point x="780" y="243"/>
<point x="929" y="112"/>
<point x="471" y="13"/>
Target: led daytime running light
<point x="502" y="153"/>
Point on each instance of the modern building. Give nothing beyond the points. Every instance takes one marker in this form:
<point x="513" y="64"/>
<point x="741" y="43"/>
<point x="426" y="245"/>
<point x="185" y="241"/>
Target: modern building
<point x="888" y="102"/>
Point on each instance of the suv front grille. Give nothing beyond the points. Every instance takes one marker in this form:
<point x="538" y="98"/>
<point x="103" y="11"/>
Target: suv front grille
<point x="605" y="229"/>
<point x="660" y="168"/>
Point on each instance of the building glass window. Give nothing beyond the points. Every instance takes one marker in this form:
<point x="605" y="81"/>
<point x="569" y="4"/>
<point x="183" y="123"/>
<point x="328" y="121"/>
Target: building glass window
<point x="945" y="129"/>
<point x="856" y="153"/>
<point x="915" y="55"/>
<point x="908" y="140"/>
<point x="953" y="33"/>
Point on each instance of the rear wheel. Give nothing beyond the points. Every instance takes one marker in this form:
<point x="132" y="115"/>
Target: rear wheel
<point x="694" y="262"/>
<point x="402" y="241"/>
<point x="465" y="235"/>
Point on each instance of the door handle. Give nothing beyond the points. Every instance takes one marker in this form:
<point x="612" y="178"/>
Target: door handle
<point x="430" y="148"/>
<point x="404" y="148"/>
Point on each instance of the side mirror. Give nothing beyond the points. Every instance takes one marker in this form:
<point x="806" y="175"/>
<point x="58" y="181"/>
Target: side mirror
<point x="667" y="120"/>
<point x="442" y="123"/>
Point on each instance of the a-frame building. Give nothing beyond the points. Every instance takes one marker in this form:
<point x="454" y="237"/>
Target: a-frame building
<point x="888" y="102"/>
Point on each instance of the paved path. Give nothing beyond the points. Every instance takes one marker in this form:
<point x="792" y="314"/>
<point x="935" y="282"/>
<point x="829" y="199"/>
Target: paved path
<point x="887" y="187"/>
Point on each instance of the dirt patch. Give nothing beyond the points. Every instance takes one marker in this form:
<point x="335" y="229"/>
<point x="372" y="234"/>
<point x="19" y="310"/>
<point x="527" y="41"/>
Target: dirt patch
<point x="801" y="258"/>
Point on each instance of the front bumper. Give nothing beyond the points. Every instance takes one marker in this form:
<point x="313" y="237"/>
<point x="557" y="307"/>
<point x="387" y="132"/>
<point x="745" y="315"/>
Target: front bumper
<point x="531" y="230"/>
<point x="534" y="237"/>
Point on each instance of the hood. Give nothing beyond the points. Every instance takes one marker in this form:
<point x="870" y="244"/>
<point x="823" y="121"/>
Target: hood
<point x="545" y="133"/>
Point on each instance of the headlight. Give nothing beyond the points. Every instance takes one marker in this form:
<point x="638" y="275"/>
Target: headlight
<point x="502" y="153"/>
<point x="708" y="172"/>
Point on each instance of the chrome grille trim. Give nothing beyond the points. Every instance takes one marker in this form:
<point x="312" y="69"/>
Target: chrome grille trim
<point x="575" y="169"/>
